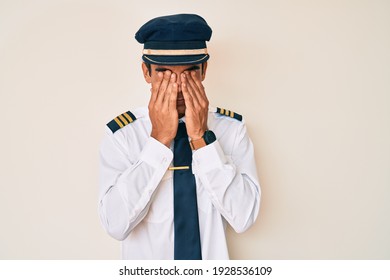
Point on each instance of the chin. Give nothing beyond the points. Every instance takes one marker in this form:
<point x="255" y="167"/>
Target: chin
<point x="181" y="110"/>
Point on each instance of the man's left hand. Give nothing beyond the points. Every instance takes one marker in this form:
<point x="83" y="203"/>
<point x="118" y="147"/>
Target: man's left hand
<point x="197" y="105"/>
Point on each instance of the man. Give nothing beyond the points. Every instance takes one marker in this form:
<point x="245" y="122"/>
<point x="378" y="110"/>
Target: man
<point x="173" y="175"/>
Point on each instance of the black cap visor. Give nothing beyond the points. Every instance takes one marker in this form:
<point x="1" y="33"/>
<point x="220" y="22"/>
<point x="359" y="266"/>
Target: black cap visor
<point x="175" y="59"/>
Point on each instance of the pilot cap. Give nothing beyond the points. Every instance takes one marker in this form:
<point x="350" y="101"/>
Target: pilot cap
<point x="175" y="40"/>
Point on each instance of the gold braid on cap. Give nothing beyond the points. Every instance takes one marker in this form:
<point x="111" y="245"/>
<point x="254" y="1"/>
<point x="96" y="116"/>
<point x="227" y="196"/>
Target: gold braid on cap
<point x="175" y="52"/>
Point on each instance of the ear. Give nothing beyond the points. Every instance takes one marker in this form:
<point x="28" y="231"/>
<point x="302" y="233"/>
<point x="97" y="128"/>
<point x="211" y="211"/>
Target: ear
<point x="147" y="74"/>
<point x="204" y="68"/>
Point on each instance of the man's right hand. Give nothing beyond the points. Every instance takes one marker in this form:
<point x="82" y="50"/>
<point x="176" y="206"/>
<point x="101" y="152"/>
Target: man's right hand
<point x="162" y="108"/>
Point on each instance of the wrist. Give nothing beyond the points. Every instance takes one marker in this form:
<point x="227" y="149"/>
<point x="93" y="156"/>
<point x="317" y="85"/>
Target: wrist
<point x="207" y="138"/>
<point x="196" y="137"/>
<point x="197" y="134"/>
<point x="163" y="140"/>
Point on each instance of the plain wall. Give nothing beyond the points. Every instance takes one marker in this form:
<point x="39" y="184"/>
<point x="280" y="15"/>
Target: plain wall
<point x="310" y="77"/>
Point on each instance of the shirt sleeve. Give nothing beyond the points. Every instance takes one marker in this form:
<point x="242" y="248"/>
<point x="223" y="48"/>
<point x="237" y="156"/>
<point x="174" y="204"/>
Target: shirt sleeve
<point x="126" y="186"/>
<point x="231" y="182"/>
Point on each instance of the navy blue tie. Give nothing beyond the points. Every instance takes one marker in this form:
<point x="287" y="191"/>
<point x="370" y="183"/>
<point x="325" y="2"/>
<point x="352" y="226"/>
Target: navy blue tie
<point x="186" y="222"/>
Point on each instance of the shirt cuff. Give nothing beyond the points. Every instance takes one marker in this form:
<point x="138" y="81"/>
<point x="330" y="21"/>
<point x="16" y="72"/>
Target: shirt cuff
<point x="156" y="154"/>
<point x="208" y="158"/>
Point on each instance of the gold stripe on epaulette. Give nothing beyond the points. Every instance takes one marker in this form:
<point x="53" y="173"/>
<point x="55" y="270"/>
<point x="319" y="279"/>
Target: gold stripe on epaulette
<point x="118" y="122"/>
<point x="123" y="119"/>
<point x="128" y="117"/>
<point x="229" y="113"/>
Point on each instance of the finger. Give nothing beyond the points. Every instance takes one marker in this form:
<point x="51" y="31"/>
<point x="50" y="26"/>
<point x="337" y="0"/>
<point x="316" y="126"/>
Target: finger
<point x="173" y="98"/>
<point x="155" y="87"/>
<point x="163" y="87"/>
<point x="168" y="92"/>
<point x="198" y="83"/>
<point x="192" y="88"/>
<point x="186" y="94"/>
<point x="198" y="88"/>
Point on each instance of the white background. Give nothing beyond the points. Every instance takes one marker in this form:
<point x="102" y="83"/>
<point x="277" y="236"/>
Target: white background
<point x="310" y="77"/>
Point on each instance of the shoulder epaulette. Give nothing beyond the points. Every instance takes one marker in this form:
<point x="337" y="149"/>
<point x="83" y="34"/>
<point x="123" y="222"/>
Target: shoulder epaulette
<point x="121" y="121"/>
<point x="229" y="114"/>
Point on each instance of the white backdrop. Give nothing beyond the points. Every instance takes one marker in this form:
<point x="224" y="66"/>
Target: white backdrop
<point x="310" y="77"/>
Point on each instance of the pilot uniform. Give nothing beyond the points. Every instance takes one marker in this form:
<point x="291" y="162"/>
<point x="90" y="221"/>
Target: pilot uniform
<point x="136" y="199"/>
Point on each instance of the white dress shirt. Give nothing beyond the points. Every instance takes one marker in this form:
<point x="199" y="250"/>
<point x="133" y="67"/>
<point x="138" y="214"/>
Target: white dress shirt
<point x="136" y="188"/>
